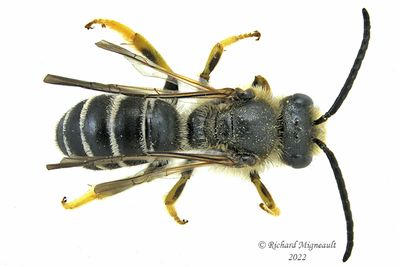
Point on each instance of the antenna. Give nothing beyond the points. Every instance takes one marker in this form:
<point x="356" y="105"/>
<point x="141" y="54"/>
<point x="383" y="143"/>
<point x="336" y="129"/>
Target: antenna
<point x="353" y="72"/>
<point x="343" y="196"/>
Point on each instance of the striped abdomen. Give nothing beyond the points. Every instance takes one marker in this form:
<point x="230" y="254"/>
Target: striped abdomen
<point x="114" y="125"/>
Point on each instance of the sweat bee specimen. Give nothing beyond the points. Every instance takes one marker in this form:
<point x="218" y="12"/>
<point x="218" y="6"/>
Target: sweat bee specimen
<point x="245" y="129"/>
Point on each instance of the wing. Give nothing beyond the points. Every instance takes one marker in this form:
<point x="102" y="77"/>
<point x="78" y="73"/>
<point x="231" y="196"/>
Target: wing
<point x="148" y="68"/>
<point x="69" y="162"/>
<point x="135" y="90"/>
<point x="110" y="188"/>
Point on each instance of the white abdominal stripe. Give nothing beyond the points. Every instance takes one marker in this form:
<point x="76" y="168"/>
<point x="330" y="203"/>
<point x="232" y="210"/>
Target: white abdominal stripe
<point x="116" y="125"/>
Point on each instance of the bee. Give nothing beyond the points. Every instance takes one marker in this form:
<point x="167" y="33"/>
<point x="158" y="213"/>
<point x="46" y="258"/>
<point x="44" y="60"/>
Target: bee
<point x="242" y="129"/>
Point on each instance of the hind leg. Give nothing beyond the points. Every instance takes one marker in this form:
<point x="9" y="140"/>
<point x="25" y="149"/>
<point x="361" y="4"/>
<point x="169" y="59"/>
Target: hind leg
<point x="111" y="188"/>
<point x="137" y="41"/>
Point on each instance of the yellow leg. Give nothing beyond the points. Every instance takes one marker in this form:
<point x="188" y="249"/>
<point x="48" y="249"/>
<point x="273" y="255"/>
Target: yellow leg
<point x="103" y="190"/>
<point x="268" y="203"/>
<point x="260" y="81"/>
<point x="133" y="38"/>
<point x="86" y="198"/>
<point x="174" y="194"/>
<point x="218" y="49"/>
<point x="111" y="188"/>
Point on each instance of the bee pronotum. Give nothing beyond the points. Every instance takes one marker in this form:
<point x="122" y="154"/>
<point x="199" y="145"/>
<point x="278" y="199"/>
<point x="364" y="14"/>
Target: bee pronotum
<point x="245" y="129"/>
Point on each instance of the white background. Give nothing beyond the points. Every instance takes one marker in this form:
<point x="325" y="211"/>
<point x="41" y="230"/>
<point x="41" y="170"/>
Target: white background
<point x="306" y="46"/>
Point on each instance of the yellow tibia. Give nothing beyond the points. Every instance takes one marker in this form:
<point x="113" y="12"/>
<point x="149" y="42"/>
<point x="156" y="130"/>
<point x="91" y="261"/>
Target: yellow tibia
<point x="86" y="198"/>
<point x="125" y="31"/>
<point x="274" y="211"/>
<point x="171" y="210"/>
<point x="133" y="38"/>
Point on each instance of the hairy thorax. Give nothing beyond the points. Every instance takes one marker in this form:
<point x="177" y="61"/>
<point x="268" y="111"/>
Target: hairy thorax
<point x="245" y="127"/>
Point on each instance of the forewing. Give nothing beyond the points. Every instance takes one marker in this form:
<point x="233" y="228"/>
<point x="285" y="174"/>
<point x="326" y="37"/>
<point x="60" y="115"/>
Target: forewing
<point x="148" y="68"/>
<point x="210" y="158"/>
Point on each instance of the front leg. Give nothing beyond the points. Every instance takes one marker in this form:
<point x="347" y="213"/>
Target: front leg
<point x="245" y="159"/>
<point x="268" y="203"/>
<point x="261" y="82"/>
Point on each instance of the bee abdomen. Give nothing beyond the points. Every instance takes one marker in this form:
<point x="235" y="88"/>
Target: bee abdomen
<point x="108" y="125"/>
<point x="68" y="132"/>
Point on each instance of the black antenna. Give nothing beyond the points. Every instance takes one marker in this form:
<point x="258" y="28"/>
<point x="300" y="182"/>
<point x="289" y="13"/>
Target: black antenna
<point x="353" y="72"/>
<point x="343" y="196"/>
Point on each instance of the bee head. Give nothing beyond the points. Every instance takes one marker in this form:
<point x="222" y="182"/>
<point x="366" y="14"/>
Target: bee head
<point x="299" y="131"/>
<point x="296" y="130"/>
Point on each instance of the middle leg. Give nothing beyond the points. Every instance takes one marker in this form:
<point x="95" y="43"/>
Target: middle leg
<point x="218" y="49"/>
<point x="174" y="194"/>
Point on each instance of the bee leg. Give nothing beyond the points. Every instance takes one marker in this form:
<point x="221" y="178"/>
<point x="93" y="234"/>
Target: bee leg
<point x="174" y="194"/>
<point x="261" y="82"/>
<point x="111" y="188"/>
<point x="268" y="203"/>
<point x="218" y="49"/>
<point x="137" y="41"/>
